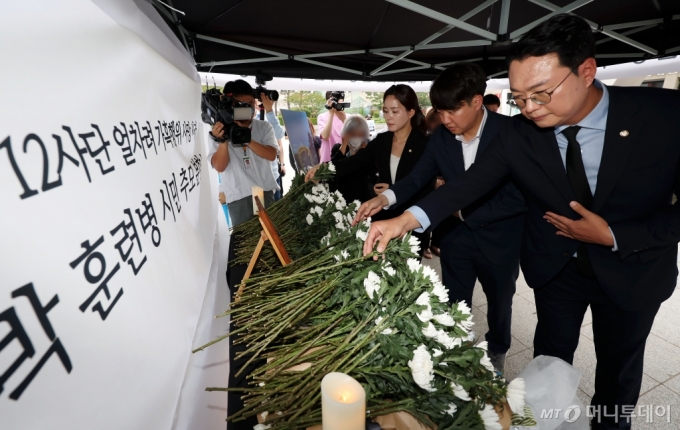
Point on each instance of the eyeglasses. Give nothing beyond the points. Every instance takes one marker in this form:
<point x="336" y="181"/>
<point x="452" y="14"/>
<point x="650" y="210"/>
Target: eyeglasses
<point x="540" y="97"/>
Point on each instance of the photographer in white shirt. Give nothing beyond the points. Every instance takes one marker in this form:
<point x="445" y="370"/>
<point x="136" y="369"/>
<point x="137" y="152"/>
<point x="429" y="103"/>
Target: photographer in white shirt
<point x="247" y="165"/>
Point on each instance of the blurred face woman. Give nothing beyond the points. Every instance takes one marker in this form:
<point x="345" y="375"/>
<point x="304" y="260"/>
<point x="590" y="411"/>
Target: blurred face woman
<point x="354" y="134"/>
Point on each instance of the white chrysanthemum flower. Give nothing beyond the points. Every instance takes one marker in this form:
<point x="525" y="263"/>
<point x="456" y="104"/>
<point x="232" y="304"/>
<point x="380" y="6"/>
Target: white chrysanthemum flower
<point x="467" y="324"/>
<point x="464" y="308"/>
<point x="490" y="418"/>
<point x="413" y="264"/>
<point x="326" y="239"/>
<point x="460" y="392"/>
<point x="452" y="409"/>
<point x="318" y="200"/>
<point x="340" y="226"/>
<point x="448" y="341"/>
<point x="483" y="345"/>
<point x="378" y="320"/>
<point x="340" y="204"/>
<point x="430" y="273"/>
<point x="337" y="216"/>
<point x="471" y="336"/>
<point x="414" y="244"/>
<point x="356" y="203"/>
<point x="440" y="291"/>
<point x="515" y="397"/>
<point x="264" y="414"/>
<point x="387" y="331"/>
<point x="262" y="427"/>
<point x="318" y="210"/>
<point x="486" y="362"/>
<point x="437" y="352"/>
<point x="309" y="219"/>
<point x="331" y="166"/>
<point x="422" y="368"/>
<point x="318" y="189"/>
<point x="309" y="198"/>
<point x="371" y="283"/>
<point x="424" y="300"/>
<point x="387" y="268"/>
<point x="261" y="384"/>
<point x="344" y="255"/>
<point x="362" y="235"/>
<point x="430" y="331"/>
<point x="444" y="319"/>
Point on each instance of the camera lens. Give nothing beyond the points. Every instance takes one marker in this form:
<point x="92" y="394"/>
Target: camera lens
<point x="273" y="94"/>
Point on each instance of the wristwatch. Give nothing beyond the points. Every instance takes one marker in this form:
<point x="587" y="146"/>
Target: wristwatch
<point x="283" y="164"/>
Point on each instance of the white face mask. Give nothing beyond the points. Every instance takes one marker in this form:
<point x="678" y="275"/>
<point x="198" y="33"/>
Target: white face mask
<point x="355" y="142"/>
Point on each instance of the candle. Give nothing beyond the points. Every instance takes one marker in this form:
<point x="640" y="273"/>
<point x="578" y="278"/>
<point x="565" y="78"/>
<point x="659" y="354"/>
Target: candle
<point x="259" y="193"/>
<point x="343" y="403"/>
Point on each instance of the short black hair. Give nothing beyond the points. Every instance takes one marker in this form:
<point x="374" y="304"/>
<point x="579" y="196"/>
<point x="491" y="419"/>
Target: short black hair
<point x="491" y="99"/>
<point x="457" y="85"/>
<point x="238" y="87"/>
<point x="568" y="36"/>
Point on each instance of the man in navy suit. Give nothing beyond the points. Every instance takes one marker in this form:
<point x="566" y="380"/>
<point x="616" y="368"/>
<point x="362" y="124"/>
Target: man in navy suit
<point x="483" y="239"/>
<point x="598" y="167"/>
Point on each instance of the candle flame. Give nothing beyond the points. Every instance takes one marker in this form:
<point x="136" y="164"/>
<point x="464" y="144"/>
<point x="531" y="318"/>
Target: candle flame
<point x="344" y="396"/>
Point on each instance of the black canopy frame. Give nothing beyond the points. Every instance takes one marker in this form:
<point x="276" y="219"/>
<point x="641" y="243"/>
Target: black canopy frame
<point x="401" y="40"/>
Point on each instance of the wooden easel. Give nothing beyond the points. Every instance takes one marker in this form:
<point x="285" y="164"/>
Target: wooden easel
<point x="270" y="234"/>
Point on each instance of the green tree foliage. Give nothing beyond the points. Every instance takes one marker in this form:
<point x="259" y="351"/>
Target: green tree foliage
<point x="311" y="102"/>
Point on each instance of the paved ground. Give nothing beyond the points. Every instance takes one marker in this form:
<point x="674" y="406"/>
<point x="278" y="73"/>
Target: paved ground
<point x="661" y="380"/>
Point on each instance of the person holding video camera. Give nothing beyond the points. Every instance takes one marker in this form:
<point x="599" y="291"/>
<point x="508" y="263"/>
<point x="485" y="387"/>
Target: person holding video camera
<point x="330" y="123"/>
<point x="243" y="163"/>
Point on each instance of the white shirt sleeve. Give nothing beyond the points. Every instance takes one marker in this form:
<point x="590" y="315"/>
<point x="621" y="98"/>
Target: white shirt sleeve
<point x="212" y="149"/>
<point x="391" y="198"/>
<point x="268" y="138"/>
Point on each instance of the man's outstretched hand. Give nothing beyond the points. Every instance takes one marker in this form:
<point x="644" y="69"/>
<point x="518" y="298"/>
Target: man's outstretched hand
<point x="370" y="208"/>
<point x="384" y="231"/>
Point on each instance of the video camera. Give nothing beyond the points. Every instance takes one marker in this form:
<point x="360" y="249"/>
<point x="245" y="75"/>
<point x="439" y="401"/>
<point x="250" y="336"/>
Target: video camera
<point x="335" y="104"/>
<point x="218" y="107"/>
<point x="261" y="80"/>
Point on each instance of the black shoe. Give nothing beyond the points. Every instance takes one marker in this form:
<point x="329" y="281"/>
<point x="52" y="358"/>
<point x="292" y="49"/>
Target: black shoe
<point x="498" y="361"/>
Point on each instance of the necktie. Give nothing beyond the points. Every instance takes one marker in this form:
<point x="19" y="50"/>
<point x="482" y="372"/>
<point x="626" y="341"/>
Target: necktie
<point x="576" y="172"/>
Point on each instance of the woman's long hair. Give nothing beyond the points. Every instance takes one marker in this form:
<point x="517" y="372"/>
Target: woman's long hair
<point x="408" y="98"/>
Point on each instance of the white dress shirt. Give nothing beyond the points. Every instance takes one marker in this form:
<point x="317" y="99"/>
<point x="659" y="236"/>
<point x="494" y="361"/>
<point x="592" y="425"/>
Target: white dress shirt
<point x="469" y="153"/>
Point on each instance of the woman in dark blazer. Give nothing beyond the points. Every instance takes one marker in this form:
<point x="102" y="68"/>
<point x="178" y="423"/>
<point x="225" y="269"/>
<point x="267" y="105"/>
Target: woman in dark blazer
<point x="394" y="153"/>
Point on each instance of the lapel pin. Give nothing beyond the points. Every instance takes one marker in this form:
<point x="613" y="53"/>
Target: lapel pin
<point x="624" y="133"/>
<point x="409" y="150"/>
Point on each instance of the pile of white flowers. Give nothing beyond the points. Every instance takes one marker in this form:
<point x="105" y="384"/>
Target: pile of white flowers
<point x="439" y="327"/>
<point x="334" y="201"/>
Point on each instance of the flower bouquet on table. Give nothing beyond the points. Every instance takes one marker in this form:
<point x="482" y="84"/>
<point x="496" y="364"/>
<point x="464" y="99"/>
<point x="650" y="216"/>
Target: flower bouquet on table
<point x="302" y="217"/>
<point x="385" y="322"/>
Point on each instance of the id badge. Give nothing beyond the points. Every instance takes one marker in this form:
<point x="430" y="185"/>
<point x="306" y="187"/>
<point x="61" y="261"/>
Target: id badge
<point x="247" y="163"/>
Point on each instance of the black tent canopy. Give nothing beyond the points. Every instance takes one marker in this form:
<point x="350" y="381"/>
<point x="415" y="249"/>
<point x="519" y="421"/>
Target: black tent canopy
<point x="401" y="40"/>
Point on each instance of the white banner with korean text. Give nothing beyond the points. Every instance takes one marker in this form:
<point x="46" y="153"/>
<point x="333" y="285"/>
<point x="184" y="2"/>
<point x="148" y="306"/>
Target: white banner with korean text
<point x="108" y="222"/>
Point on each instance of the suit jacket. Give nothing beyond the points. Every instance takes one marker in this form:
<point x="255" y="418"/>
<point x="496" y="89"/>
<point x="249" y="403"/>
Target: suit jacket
<point x="638" y="175"/>
<point x="377" y="155"/>
<point x="495" y="220"/>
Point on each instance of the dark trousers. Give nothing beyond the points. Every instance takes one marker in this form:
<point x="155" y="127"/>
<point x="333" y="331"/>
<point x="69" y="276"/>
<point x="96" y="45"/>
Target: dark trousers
<point x="619" y="338"/>
<point x="462" y="263"/>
